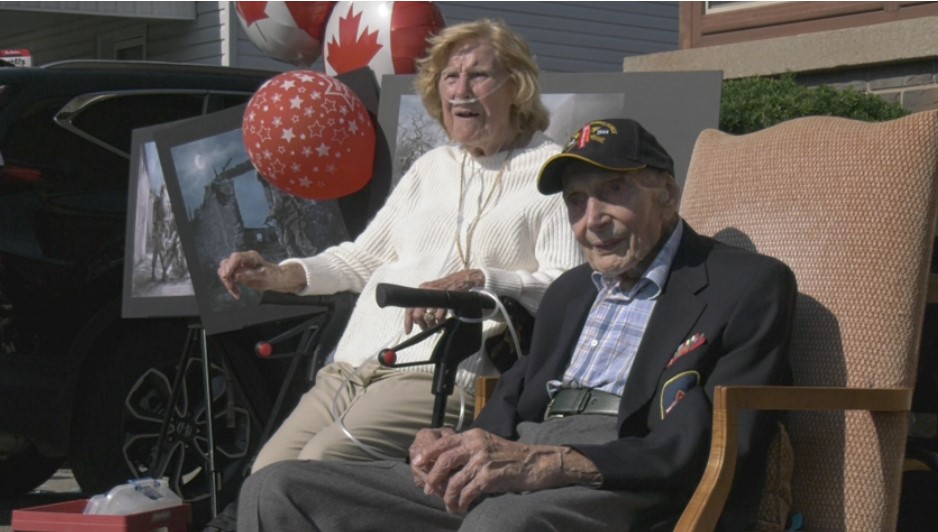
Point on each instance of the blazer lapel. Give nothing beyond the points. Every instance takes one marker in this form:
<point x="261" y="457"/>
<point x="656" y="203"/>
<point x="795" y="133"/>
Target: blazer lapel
<point x="675" y="314"/>
<point x="577" y="307"/>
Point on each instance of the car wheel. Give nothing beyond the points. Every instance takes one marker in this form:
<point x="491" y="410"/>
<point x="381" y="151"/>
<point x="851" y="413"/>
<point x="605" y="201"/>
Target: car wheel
<point x="24" y="470"/>
<point x="124" y="401"/>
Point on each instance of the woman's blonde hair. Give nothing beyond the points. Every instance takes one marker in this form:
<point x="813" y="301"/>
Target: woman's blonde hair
<point x="528" y="114"/>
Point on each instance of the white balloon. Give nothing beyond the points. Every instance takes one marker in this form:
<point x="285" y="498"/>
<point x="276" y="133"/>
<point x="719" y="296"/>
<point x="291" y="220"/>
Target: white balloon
<point x="365" y="23"/>
<point x="279" y="36"/>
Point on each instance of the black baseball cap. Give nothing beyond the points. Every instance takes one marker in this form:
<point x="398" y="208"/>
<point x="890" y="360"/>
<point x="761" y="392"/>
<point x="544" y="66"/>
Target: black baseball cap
<point x="617" y="144"/>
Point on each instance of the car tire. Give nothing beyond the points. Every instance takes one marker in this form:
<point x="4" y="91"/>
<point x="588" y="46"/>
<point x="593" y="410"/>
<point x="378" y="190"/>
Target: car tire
<point x="121" y="407"/>
<point x="23" y="471"/>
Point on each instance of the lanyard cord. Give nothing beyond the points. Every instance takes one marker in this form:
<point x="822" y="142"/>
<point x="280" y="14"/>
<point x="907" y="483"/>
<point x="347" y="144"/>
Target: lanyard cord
<point x="465" y="255"/>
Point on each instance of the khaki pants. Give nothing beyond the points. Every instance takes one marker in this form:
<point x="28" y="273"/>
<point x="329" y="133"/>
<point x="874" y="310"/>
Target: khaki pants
<point x="382" y="408"/>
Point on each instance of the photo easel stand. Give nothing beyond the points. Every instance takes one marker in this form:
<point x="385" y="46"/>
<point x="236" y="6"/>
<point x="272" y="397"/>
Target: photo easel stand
<point x="196" y="334"/>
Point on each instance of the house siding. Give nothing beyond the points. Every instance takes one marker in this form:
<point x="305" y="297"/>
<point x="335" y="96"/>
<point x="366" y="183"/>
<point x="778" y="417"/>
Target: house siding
<point x="580" y="36"/>
<point x="565" y="36"/>
<point x="148" y="10"/>
<point x="193" y="42"/>
<point x="55" y="37"/>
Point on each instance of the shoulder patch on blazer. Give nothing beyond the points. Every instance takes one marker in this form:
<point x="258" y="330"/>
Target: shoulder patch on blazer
<point x="675" y="388"/>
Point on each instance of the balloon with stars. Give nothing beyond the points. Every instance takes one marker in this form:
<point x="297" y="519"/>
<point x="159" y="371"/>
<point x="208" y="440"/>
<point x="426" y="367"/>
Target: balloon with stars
<point x="310" y="135"/>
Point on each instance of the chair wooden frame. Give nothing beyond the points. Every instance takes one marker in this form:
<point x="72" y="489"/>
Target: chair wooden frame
<point x="885" y="403"/>
<point x="484" y="388"/>
<point x="704" y="509"/>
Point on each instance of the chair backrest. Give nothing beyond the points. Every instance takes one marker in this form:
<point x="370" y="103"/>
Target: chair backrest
<point x="850" y="207"/>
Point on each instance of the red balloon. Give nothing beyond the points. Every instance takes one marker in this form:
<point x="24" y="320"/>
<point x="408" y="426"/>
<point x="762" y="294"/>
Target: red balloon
<point x="388" y="37"/>
<point x="311" y="17"/>
<point x="310" y="135"/>
<point x="289" y="31"/>
<point x="411" y="24"/>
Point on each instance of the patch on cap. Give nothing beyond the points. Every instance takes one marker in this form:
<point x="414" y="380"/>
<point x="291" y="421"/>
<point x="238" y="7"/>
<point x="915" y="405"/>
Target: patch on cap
<point x="615" y="144"/>
<point x="593" y="132"/>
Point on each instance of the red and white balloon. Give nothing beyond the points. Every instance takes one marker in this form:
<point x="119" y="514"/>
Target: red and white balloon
<point x="388" y="37"/>
<point x="289" y="31"/>
<point x="310" y="135"/>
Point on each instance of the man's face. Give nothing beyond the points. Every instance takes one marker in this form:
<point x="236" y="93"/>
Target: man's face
<point x="618" y="218"/>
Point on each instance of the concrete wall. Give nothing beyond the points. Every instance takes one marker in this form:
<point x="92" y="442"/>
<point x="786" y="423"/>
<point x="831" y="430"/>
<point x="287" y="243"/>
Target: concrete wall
<point x="896" y="60"/>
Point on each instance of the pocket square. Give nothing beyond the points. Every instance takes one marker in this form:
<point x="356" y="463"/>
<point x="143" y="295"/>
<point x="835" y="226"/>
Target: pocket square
<point x="693" y="342"/>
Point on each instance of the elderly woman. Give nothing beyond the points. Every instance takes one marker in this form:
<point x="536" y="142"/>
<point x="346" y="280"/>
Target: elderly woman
<point x="465" y="215"/>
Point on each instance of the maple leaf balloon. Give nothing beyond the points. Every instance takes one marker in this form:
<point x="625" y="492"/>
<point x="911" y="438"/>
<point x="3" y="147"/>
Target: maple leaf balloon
<point x="388" y="37"/>
<point x="310" y="135"/>
<point x="289" y="31"/>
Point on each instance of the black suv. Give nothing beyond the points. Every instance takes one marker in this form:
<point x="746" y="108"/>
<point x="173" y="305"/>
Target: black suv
<point x="77" y="382"/>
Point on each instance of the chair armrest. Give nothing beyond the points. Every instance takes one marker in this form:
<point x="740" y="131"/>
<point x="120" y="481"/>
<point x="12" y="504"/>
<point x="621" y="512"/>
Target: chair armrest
<point x="281" y="298"/>
<point x="704" y="509"/>
<point x="484" y="388"/>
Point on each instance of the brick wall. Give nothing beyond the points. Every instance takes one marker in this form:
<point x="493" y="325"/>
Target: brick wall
<point x="914" y="84"/>
<point x="896" y="60"/>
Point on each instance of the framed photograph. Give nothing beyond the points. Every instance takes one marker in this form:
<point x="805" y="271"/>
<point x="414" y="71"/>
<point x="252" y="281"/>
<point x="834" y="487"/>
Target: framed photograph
<point x="674" y="106"/>
<point x="361" y="206"/>
<point x="222" y="205"/>
<point x="156" y="276"/>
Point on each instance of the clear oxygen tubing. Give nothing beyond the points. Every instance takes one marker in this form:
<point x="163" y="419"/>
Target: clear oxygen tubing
<point x="368" y="449"/>
<point x="375" y="453"/>
<point x="476" y="99"/>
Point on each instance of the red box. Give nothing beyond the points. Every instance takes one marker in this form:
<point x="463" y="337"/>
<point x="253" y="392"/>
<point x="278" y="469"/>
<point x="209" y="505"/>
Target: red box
<point x="68" y="517"/>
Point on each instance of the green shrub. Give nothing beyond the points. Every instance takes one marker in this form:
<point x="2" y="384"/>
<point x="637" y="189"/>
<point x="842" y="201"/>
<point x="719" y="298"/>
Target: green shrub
<point x="751" y="104"/>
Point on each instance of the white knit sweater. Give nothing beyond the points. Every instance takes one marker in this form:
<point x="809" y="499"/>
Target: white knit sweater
<point x="522" y="242"/>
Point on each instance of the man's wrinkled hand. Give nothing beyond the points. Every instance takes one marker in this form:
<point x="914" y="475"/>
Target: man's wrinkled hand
<point x="483" y="463"/>
<point x="425" y="444"/>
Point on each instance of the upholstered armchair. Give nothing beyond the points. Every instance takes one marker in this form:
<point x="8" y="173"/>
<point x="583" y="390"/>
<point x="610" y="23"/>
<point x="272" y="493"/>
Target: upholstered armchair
<point x="850" y="207"/>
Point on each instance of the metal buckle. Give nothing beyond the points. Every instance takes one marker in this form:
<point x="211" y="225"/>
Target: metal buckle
<point x="568" y="401"/>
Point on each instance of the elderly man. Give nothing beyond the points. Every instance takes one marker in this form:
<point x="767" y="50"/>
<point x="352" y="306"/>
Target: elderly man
<point x="605" y="425"/>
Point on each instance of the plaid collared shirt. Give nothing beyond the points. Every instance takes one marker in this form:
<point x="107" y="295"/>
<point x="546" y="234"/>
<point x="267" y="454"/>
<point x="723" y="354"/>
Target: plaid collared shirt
<point x="615" y="326"/>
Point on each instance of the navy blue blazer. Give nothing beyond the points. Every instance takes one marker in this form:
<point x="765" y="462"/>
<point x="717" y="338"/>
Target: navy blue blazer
<point x="724" y="317"/>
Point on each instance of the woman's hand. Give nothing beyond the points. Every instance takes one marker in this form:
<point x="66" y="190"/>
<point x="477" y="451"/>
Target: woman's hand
<point x="250" y="269"/>
<point x="461" y="281"/>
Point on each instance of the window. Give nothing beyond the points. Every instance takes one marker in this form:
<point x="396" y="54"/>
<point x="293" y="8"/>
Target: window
<point x="728" y="22"/>
<point x="720" y="7"/>
<point x="127" y="44"/>
<point x="130" y="49"/>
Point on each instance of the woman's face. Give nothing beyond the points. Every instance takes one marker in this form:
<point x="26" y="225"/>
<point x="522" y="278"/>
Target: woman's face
<point x="477" y="99"/>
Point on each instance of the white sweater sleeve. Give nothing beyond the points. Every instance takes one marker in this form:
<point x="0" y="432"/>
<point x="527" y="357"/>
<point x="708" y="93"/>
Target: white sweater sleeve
<point x="555" y="250"/>
<point x="348" y="266"/>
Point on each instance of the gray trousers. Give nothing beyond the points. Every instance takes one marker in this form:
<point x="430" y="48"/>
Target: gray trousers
<point x="297" y="496"/>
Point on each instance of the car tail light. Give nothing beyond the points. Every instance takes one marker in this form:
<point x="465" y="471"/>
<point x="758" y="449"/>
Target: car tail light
<point x="15" y="175"/>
